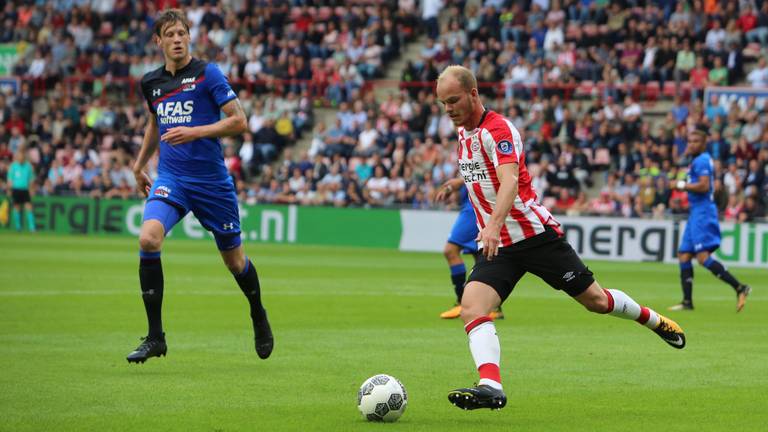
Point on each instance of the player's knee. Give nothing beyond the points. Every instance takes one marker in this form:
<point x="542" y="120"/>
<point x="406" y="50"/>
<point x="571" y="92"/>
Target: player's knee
<point x="150" y="241"/>
<point x="450" y="252"/>
<point x="467" y="314"/>
<point x="701" y="259"/>
<point x="470" y="312"/>
<point x="235" y="264"/>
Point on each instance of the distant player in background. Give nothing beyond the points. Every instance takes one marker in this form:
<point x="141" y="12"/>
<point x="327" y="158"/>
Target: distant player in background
<point x="20" y="177"/>
<point x="702" y="232"/>
<point x="517" y="235"/>
<point x="463" y="238"/>
<point x="186" y="97"/>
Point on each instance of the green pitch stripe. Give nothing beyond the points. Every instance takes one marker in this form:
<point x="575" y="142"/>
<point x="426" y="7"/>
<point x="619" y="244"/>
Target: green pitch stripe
<point x="349" y="227"/>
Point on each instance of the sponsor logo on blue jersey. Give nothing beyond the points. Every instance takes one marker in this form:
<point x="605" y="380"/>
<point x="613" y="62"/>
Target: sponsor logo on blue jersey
<point x="163" y="191"/>
<point x="175" y="112"/>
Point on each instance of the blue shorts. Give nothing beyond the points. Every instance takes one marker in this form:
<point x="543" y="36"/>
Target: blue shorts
<point x="214" y="204"/>
<point x="464" y="231"/>
<point x="702" y="232"/>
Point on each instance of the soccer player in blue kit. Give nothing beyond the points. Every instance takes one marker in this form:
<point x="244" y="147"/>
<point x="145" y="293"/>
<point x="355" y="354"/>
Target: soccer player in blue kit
<point x="702" y="232"/>
<point x="463" y="238"/>
<point x="186" y="97"/>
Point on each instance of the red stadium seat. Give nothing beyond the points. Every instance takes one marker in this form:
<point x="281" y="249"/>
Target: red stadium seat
<point x="652" y="90"/>
<point x="585" y="88"/>
<point x="669" y="89"/>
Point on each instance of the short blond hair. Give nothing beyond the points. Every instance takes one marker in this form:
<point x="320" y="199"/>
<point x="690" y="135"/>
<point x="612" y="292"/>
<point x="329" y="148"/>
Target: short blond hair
<point x="464" y="76"/>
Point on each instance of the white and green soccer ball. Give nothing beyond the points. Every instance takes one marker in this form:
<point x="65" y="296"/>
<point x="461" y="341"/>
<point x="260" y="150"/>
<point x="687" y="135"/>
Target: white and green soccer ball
<point x="382" y="398"/>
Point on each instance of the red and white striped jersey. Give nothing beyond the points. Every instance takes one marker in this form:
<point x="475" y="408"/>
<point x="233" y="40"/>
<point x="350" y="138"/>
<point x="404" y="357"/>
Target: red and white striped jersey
<point x="495" y="142"/>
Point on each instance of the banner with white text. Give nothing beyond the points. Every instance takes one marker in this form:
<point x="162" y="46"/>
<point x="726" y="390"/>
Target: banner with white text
<point x="618" y="239"/>
<point x="601" y="238"/>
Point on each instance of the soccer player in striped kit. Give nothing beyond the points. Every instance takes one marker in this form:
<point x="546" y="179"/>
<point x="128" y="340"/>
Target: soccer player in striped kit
<point x="517" y="235"/>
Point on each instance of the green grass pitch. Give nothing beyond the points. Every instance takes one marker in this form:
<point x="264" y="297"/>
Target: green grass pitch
<point x="70" y="311"/>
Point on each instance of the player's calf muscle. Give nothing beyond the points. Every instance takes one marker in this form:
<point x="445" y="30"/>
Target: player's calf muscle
<point x="594" y="299"/>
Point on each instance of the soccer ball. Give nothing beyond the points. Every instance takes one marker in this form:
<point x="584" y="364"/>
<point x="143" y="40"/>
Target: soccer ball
<point x="382" y="398"/>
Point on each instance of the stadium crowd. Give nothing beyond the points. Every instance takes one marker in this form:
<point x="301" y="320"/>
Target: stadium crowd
<point x="77" y="112"/>
<point x="398" y="150"/>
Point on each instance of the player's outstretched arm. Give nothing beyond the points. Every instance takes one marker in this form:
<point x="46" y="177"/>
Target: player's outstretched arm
<point x="148" y="148"/>
<point x="447" y="188"/>
<point x="490" y="236"/>
<point x="233" y="124"/>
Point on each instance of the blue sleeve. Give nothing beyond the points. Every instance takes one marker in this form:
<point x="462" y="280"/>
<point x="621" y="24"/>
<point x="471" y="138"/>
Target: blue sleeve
<point x="701" y="167"/>
<point x="218" y="86"/>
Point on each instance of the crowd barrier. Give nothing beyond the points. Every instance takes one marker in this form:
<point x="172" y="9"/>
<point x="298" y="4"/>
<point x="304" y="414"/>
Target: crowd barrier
<point x="618" y="239"/>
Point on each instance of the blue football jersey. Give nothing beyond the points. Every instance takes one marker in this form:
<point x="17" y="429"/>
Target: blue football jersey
<point x="701" y="165"/>
<point x="464" y="199"/>
<point x="192" y="97"/>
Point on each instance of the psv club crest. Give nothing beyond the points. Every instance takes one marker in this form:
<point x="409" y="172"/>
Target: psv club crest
<point x="475" y="144"/>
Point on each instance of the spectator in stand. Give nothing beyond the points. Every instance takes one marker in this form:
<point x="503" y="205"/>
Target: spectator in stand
<point x="759" y="33"/>
<point x="685" y="62"/>
<point x="699" y="78"/>
<point x="718" y="75"/>
<point x="758" y="77"/>
<point x="564" y="202"/>
<point x="603" y="206"/>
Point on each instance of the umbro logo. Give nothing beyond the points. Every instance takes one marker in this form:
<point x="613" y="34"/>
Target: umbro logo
<point x="156" y="92"/>
<point x="569" y="276"/>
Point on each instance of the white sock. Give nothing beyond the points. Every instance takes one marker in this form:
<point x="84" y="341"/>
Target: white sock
<point x="622" y="305"/>
<point x="486" y="351"/>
